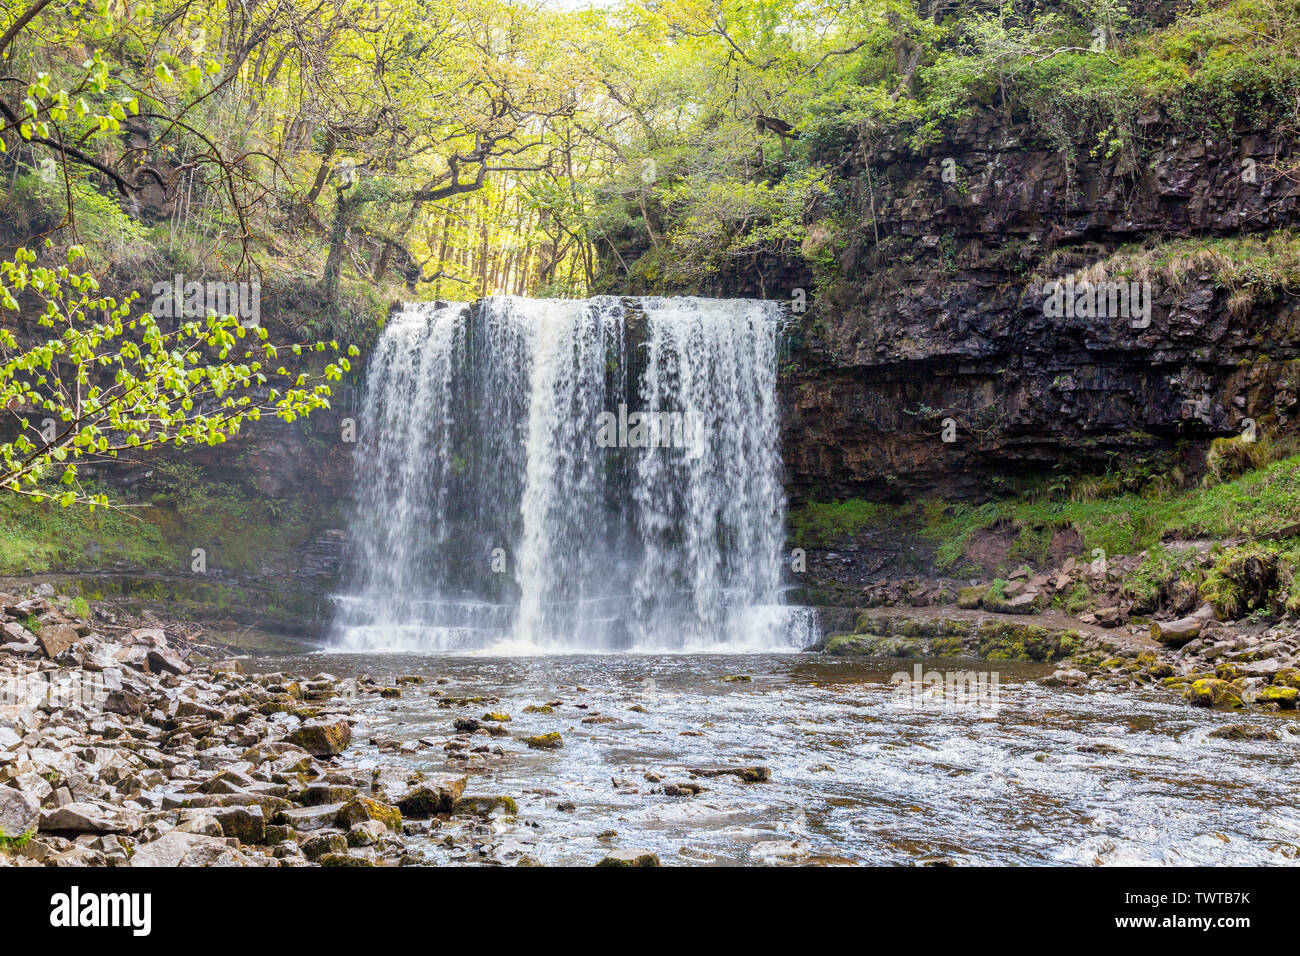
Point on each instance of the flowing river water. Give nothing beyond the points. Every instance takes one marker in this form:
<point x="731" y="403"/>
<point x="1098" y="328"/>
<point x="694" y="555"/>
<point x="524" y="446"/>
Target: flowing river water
<point x="858" y="775"/>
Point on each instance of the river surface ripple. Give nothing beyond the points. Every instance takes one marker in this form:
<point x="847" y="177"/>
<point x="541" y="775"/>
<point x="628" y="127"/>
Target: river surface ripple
<point x="1047" y="776"/>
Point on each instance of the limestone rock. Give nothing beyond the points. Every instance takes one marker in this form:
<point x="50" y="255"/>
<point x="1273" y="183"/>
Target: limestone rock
<point x="89" y="818"/>
<point x="57" y="638"/>
<point x="19" y="812"/>
<point x="1179" y="632"/>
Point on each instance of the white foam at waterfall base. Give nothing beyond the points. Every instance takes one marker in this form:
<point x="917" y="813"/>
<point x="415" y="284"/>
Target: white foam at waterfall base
<point x="488" y="518"/>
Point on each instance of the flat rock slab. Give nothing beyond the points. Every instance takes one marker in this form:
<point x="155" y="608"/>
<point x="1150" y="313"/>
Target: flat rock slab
<point x="89" y="818"/>
<point x="310" y="818"/>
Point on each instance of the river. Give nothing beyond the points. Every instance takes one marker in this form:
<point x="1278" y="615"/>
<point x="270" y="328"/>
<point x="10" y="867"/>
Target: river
<point x="860" y="774"/>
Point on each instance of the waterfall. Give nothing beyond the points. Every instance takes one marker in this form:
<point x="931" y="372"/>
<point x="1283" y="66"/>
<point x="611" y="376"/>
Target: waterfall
<point x="537" y="475"/>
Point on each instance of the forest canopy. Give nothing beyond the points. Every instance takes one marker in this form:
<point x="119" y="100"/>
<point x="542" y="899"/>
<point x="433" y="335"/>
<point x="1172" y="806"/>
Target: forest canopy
<point x="364" y="150"/>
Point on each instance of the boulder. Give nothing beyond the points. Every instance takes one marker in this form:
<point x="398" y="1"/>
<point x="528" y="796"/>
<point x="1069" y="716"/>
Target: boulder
<point x="310" y="818"/>
<point x="551" y="741"/>
<point x="1213" y="692"/>
<point x="1025" y="603"/>
<point x="1282" y="695"/>
<point x="57" y="638"/>
<point x="366" y="833"/>
<point x="20" y="813"/>
<point x="437" y="793"/>
<point x="1070" y="677"/>
<point x="1109" y="616"/>
<point x="245" y="824"/>
<point x="322" y="740"/>
<point x="1245" y="732"/>
<point x="124" y="703"/>
<point x="1264" y="668"/>
<point x="321" y="844"/>
<point x="318" y="794"/>
<point x="360" y="809"/>
<point x="163" y="660"/>
<point x="1179" y="632"/>
<point x="177" y="848"/>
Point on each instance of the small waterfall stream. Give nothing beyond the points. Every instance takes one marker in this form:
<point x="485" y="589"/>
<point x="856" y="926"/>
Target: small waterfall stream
<point x="570" y="475"/>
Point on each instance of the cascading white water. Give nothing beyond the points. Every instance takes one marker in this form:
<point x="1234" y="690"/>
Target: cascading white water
<point x="556" y="475"/>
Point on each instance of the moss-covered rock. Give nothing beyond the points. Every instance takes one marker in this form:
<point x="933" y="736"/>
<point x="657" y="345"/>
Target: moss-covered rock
<point x="874" y="645"/>
<point x="1285" y="697"/>
<point x="630" y="858"/>
<point x="497" y="715"/>
<point x="551" y="741"/>
<point x="322" y="740"/>
<point x="437" y="793"/>
<point x="1287" y="677"/>
<point x="1241" y="580"/>
<point x="1011" y="641"/>
<point x="1213" y="692"/>
<point x="360" y="809"/>
<point x="1226" y="670"/>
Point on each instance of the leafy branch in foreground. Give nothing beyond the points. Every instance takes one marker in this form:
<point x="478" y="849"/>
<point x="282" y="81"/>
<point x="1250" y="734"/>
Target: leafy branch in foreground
<point x="106" y="382"/>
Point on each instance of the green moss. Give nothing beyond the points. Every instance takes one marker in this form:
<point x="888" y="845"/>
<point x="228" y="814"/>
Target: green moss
<point x="1257" y="502"/>
<point x="41" y="536"/>
<point x="874" y="645"/>
<point x="817" y="524"/>
<point x="10" y="844"/>
<point x="1213" y="692"/>
<point x="1244" y="578"/>
<point x="360" y="809"/>
<point x="1004" y="640"/>
<point x="1284" y="697"/>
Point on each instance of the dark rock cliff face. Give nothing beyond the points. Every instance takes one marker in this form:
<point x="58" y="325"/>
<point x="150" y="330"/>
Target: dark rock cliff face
<point x="938" y="313"/>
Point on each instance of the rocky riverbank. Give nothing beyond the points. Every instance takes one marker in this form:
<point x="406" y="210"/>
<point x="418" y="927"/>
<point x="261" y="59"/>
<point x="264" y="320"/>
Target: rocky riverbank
<point x="119" y="748"/>
<point x="1114" y="624"/>
<point x="131" y="741"/>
